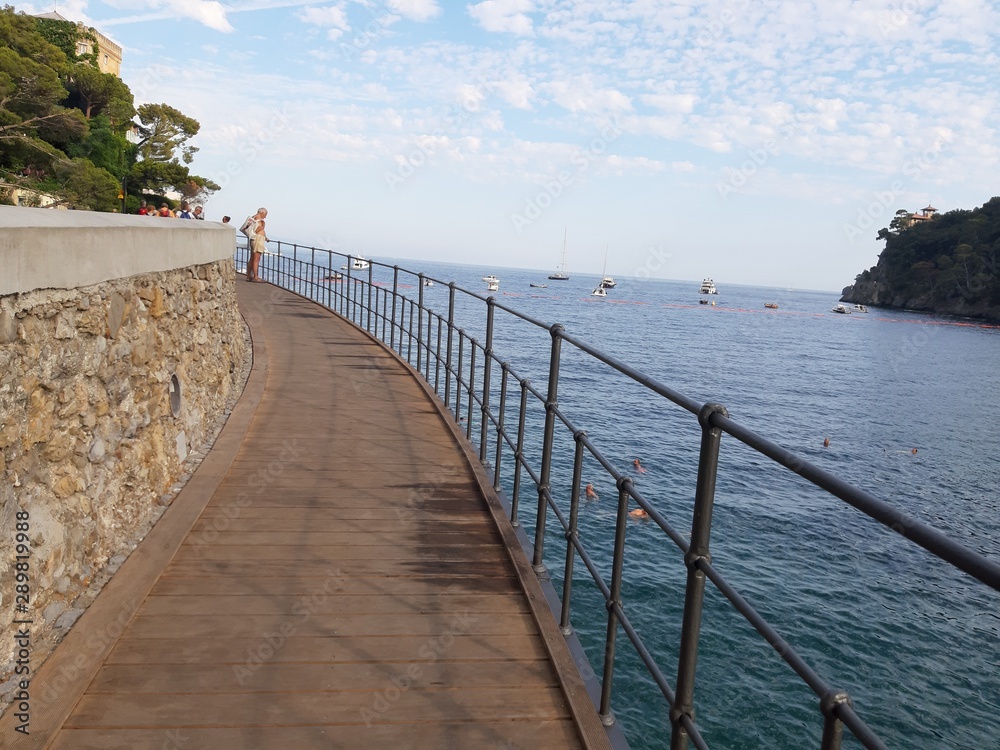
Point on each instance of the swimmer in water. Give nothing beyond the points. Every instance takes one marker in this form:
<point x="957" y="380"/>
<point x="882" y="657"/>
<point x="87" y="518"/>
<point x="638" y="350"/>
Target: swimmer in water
<point x="591" y="492"/>
<point x="638" y="513"/>
<point x="638" y="466"/>
<point x="826" y="442"/>
<point x="914" y="451"/>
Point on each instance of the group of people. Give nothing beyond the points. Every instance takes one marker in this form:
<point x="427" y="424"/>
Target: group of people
<point x="184" y="212"/>
<point x="591" y="493"/>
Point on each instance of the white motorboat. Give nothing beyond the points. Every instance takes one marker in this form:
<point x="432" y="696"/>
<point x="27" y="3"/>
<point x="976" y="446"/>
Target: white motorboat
<point x="538" y="286"/>
<point x="490" y="278"/>
<point x="708" y="287"/>
<point x="561" y="274"/>
<point x="599" y="291"/>
<point x="842" y="310"/>
<point x="860" y="309"/>
<point x="428" y="282"/>
<point x="359" y="263"/>
<point x="606" y="281"/>
<point x="493" y="285"/>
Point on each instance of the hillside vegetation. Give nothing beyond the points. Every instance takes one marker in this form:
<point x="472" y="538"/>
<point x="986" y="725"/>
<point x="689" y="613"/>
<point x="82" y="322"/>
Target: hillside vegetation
<point x="948" y="265"/>
<point x="70" y="131"/>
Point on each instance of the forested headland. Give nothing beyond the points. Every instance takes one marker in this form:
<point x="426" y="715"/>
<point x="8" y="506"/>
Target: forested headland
<point x="71" y="132"/>
<point x="948" y="264"/>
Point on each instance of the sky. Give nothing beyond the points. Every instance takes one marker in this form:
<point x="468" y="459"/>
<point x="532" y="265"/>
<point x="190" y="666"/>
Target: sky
<point x="760" y="142"/>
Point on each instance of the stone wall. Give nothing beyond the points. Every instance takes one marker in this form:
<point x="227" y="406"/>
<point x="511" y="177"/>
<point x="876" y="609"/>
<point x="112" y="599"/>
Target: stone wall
<point x="104" y="391"/>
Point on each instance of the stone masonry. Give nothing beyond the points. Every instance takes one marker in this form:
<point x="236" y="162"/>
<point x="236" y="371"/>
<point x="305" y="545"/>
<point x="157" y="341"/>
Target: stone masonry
<point x="104" y="392"/>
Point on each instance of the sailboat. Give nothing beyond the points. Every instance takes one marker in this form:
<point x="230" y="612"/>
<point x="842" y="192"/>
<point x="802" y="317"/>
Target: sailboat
<point x="600" y="290"/>
<point x="561" y="274"/>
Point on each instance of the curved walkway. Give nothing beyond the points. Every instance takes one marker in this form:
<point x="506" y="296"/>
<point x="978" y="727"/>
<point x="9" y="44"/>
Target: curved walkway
<point x="335" y="575"/>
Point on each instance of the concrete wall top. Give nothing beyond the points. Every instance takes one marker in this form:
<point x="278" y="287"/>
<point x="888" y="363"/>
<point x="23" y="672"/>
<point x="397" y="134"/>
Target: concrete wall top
<point x="54" y="249"/>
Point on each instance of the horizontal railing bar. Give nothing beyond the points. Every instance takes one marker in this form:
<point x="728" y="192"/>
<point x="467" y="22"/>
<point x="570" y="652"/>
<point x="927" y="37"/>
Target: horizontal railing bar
<point x="976" y="565"/>
<point x="651" y="383"/>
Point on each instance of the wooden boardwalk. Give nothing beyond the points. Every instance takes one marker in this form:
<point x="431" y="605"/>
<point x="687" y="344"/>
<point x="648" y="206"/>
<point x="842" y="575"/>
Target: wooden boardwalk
<point x="335" y="575"/>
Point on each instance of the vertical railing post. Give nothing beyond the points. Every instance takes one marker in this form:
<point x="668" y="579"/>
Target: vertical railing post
<point x="420" y="315"/>
<point x="427" y="359"/>
<point x="545" y="475"/>
<point x="833" y="728"/>
<point x="473" y="345"/>
<point x="501" y="424"/>
<point x="348" y="293"/>
<point x="458" y="377"/>
<point x="451" y="326"/>
<point x="371" y="286"/>
<point x="614" y="601"/>
<point x="437" y="359"/>
<point x="698" y="551"/>
<point x="519" y="454"/>
<point x="409" y="336"/>
<point x="312" y="276"/>
<point x="571" y="533"/>
<point x="487" y="371"/>
<point x="395" y="293"/>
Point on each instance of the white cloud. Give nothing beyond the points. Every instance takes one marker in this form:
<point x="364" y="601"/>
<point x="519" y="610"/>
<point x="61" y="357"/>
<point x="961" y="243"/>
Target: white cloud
<point x="680" y="103"/>
<point x="415" y="10"/>
<point x="504" y="15"/>
<point x="331" y="15"/>
<point x="208" y="12"/>
<point x="581" y="95"/>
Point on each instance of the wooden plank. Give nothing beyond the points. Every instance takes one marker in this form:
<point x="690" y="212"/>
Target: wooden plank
<point x="296" y="709"/>
<point x="324" y="569"/>
<point x="488" y="735"/>
<point x="265" y="553"/>
<point x="353" y="585"/>
<point x="267" y="676"/>
<point x="320" y="650"/>
<point x="252" y="626"/>
<point x="323" y="603"/>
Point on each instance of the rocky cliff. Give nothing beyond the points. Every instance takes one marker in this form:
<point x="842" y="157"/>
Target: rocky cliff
<point x="949" y="266"/>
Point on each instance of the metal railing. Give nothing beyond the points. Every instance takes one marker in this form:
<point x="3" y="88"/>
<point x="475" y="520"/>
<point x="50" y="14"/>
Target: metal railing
<point x="447" y="357"/>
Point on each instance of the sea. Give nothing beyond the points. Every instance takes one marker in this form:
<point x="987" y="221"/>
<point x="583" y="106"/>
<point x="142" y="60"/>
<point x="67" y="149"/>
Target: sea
<point x="901" y="404"/>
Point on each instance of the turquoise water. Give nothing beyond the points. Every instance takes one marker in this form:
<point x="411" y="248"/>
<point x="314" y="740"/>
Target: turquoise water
<point x="913" y="642"/>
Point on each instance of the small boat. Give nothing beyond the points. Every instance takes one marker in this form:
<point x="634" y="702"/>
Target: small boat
<point x="560" y="274"/>
<point x="841" y="309"/>
<point x="334" y="277"/>
<point x="538" y="286"/>
<point x="608" y="282"/>
<point x="428" y="282"/>
<point x="493" y="285"/>
<point x="708" y="287"/>
<point x="359" y="263"/>
<point x="601" y="290"/>
<point x="703" y="302"/>
<point x="490" y="278"/>
<point x="771" y="305"/>
<point x="860" y="309"/>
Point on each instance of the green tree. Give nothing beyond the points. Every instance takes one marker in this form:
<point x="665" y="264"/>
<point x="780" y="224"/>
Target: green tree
<point x="165" y="132"/>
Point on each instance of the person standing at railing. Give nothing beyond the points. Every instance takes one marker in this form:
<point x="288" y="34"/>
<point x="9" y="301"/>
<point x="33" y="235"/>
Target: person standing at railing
<point x="253" y="228"/>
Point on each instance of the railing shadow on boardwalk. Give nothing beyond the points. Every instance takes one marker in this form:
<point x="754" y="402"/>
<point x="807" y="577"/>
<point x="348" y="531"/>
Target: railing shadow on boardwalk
<point x="497" y="418"/>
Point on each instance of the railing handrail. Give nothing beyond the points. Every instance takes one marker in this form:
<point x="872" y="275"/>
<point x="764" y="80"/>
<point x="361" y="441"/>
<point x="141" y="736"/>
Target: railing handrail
<point x="835" y="705"/>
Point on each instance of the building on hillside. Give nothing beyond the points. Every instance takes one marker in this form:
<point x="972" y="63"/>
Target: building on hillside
<point x="109" y="53"/>
<point x="926" y="214"/>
